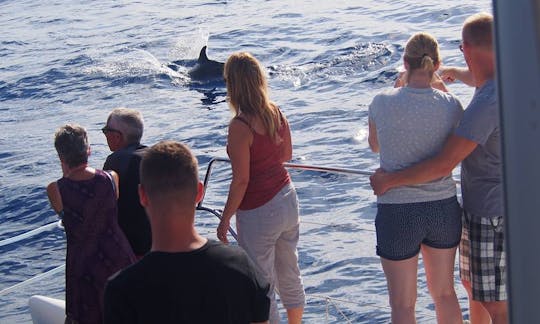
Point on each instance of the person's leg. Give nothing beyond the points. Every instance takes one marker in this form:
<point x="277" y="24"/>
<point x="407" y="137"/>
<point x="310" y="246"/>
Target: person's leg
<point x="258" y="240"/>
<point x="439" y="265"/>
<point x="488" y="266"/>
<point x="439" y="254"/>
<point x="498" y="310"/>
<point x="401" y="279"/>
<point x="477" y="313"/>
<point x="289" y="280"/>
<point x="400" y="229"/>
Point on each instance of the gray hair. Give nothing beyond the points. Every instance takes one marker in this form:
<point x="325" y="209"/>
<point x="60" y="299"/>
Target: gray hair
<point x="129" y="122"/>
<point x="71" y="143"/>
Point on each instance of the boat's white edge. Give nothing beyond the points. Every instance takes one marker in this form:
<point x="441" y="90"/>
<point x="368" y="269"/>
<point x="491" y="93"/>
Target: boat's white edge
<point x="47" y="310"/>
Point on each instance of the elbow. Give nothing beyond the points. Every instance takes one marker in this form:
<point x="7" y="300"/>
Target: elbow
<point x="374" y="147"/>
<point x="240" y="182"/>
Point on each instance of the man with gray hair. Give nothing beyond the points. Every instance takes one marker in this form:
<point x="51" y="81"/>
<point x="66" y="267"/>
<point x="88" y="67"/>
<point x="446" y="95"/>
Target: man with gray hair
<point x="123" y="131"/>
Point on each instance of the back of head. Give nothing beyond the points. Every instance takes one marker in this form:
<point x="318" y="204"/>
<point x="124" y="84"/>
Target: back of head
<point x="478" y="31"/>
<point x="170" y="171"/>
<point x="71" y="143"/>
<point x="247" y="90"/>
<point x="246" y="83"/>
<point x="422" y="52"/>
<point x="129" y="122"/>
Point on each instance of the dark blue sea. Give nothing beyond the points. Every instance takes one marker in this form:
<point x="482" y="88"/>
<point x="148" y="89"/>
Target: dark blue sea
<point x="74" y="61"/>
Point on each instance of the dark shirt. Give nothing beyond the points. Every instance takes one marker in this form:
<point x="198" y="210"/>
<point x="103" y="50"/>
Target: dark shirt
<point x="214" y="284"/>
<point x="96" y="246"/>
<point x="131" y="215"/>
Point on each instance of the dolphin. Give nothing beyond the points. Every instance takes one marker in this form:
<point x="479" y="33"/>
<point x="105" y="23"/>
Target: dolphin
<point x="203" y="70"/>
<point x="206" y="69"/>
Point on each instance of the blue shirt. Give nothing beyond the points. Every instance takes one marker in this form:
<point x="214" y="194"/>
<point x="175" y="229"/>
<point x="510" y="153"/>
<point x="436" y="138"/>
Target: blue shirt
<point x="481" y="171"/>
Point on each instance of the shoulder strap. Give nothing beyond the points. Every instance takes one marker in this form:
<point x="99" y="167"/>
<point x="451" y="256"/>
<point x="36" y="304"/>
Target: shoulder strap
<point x="245" y="122"/>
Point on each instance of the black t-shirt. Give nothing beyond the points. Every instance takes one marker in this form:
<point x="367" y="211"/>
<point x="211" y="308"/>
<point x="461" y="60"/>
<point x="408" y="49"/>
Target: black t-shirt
<point x="131" y="215"/>
<point x="214" y="284"/>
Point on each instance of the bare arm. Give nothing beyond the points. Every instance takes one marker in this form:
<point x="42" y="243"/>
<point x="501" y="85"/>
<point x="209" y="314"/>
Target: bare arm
<point x="238" y="143"/>
<point x="452" y="73"/>
<point x="372" y="137"/>
<point x="286" y="153"/>
<point x="454" y="151"/>
<point x="116" y="180"/>
<point x="438" y="83"/>
<point x="54" y="197"/>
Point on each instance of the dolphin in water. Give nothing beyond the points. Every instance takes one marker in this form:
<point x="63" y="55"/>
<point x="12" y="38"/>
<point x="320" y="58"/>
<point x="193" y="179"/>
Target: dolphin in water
<point x="205" y="70"/>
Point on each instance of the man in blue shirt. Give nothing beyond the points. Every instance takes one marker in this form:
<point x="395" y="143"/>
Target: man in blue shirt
<point x="476" y="144"/>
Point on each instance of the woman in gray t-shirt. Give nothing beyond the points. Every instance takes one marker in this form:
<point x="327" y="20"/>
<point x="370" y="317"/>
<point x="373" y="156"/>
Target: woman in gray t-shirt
<point x="408" y="124"/>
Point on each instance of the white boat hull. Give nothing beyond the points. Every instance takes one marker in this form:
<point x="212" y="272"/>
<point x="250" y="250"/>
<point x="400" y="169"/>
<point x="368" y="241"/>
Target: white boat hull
<point x="47" y="310"/>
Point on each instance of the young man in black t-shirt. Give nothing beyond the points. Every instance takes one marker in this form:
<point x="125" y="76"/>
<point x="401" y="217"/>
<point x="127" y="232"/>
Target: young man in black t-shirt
<point x="185" y="278"/>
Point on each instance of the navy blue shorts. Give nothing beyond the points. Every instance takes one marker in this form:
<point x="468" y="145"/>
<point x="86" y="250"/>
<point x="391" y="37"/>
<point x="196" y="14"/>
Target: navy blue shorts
<point x="402" y="228"/>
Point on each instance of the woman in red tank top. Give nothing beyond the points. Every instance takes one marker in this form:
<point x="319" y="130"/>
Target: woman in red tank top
<point x="261" y="193"/>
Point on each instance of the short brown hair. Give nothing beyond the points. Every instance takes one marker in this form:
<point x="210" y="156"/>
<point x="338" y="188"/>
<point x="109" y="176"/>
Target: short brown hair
<point x="71" y="143"/>
<point x="478" y="30"/>
<point x="167" y="168"/>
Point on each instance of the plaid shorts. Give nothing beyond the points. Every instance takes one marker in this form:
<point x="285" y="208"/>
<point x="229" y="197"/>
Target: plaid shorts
<point x="482" y="257"/>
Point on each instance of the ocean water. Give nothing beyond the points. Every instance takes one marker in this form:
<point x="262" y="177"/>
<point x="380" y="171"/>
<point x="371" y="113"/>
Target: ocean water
<point x="74" y="61"/>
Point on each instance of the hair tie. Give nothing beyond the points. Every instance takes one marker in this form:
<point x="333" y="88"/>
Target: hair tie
<point x="425" y="54"/>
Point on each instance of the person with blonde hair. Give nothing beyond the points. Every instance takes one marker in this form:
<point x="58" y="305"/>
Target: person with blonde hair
<point x="261" y="193"/>
<point x="85" y="200"/>
<point x="408" y="124"/>
<point x="476" y="143"/>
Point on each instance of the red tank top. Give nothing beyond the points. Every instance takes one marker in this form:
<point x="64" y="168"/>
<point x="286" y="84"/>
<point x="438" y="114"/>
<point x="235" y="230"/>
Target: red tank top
<point x="267" y="175"/>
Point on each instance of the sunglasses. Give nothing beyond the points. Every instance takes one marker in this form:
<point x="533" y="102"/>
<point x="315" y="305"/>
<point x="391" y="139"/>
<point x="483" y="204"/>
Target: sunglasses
<point x="106" y="129"/>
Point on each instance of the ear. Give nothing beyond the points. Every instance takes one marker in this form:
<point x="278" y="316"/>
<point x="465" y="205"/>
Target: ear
<point x="437" y="66"/>
<point x="88" y="151"/>
<point x="143" y="197"/>
<point x="200" y="193"/>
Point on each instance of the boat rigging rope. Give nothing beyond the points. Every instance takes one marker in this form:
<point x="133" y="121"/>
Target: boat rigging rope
<point x="31" y="233"/>
<point x="33" y="279"/>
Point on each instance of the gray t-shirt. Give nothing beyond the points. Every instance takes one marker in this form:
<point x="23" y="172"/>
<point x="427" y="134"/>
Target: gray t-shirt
<point x="481" y="185"/>
<point x="413" y="125"/>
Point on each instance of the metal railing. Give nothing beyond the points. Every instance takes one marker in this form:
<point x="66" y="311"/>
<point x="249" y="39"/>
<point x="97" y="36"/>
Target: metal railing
<point x="330" y="301"/>
<point x="215" y="212"/>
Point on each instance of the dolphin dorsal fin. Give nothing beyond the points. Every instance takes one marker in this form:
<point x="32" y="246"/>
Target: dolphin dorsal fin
<point x="202" y="55"/>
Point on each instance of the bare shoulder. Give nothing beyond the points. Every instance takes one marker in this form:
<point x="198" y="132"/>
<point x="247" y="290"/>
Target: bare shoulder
<point x="52" y="187"/>
<point x="239" y="128"/>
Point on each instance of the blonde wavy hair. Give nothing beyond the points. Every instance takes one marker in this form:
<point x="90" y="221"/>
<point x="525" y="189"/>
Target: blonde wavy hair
<point x="422" y="52"/>
<point x="247" y="91"/>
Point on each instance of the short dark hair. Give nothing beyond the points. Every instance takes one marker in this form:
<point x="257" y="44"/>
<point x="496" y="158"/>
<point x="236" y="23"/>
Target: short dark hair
<point x="167" y="168"/>
<point x="478" y="30"/>
<point x="71" y="143"/>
